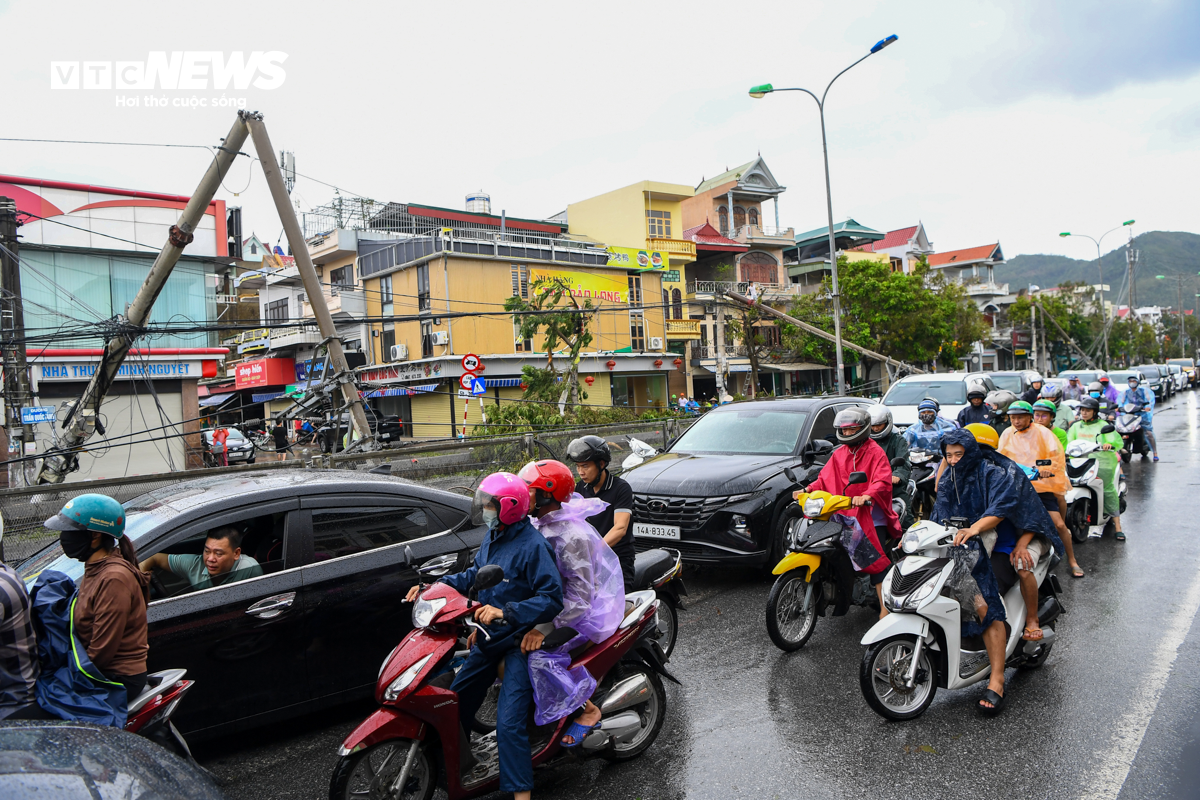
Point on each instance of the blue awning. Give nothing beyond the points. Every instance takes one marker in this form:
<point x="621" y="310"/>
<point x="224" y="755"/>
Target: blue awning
<point x="501" y="383"/>
<point x="265" y="396"/>
<point x="216" y="399"/>
<point x="402" y="391"/>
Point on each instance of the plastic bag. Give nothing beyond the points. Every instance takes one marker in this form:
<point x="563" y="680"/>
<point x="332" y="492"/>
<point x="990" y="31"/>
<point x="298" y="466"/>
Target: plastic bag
<point x="857" y="544"/>
<point x="972" y="577"/>
<point x="558" y="689"/>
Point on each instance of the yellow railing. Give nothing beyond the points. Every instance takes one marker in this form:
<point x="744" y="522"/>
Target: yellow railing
<point x="683" y="329"/>
<point x="675" y="247"/>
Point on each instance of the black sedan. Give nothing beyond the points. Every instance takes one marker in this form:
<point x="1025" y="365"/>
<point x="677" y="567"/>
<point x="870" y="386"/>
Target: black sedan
<point x="718" y="494"/>
<point x="80" y="761"/>
<point x="311" y="631"/>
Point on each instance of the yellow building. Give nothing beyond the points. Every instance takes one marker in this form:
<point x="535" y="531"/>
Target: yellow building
<point x="445" y="291"/>
<point x="648" y="216"/>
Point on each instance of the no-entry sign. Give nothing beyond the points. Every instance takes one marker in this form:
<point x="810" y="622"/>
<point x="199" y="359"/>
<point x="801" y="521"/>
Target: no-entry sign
<point x="470" y="363"/>
<point x="467" y="380"/>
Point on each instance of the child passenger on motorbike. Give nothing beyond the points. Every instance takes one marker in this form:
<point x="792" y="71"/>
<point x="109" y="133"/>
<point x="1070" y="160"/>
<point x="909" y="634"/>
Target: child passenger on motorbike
<point x="1089" y="429"/>
<point x="895" y="447"/>
<point x="593" y="598"/>
<point x="871" y="502"/>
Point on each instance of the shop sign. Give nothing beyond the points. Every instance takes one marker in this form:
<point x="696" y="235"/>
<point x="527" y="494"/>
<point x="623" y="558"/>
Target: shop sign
<point x="130" y="370"/>
<point x="632" y="258"/>
<point x="585" y="285"/>
<point x="264" y="372"/>
<point x="1022" y="339"/>
<point x="397" y="373"/>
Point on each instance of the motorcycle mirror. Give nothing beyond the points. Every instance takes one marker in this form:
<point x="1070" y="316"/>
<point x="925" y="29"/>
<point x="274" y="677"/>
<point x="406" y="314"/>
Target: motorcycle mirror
<point x="897" y="462"/>
<point x="791" y="476"/>
<point x="857" y="478"/>
<point x="382" y="469"/>
<point x="487" y="577"/>
<point x="1107" y="429"/>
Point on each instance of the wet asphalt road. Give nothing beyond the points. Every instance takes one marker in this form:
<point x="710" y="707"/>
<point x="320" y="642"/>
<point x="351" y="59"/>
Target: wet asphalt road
<point x="1115" y="712"/>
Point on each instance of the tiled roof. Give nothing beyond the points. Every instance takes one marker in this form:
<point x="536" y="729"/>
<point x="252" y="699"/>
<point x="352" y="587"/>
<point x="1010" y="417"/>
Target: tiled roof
<point x="966" y="256"/>
<point x="896" y="238"/>
<point x="724" y="177"/>
<point x="846" y="228"/>
<point x="706" y="236"/>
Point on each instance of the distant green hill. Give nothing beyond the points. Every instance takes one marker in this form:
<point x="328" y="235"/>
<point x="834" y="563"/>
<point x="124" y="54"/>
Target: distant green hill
<point x="1167" y="253"/>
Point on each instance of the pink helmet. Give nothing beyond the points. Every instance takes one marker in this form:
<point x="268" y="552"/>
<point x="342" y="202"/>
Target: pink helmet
<point x="506" y="492"/>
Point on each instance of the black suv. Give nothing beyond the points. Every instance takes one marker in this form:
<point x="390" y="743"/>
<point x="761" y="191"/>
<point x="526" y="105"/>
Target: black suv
<point x="718" y="493"/>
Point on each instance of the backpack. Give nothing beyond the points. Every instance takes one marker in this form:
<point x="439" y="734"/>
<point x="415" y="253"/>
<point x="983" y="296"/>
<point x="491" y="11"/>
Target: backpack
<point x="71" y="686"/>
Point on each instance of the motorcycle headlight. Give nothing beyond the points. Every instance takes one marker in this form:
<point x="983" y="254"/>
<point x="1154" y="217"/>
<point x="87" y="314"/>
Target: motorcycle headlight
<point x="408" y="676"/>
<point x="425" y="610"/>
<point x="813" y="507"/>
<point x="910" y="541"/>
<point x="1091" y="473"/>
<point x="923" y="593"/>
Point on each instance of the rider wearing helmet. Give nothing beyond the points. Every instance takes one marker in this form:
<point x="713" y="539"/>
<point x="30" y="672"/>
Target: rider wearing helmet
<point x="593" y="597"/>
<point x="1090" y="429"/>
<point x="1064" y="415"/>
<point x="1143" y="399"/>
<point x="110" y="608"/>
<point x="894" y="447"/>
<point x="1035" y="388"/>
<point x="1074" y="390"/>
<point x="531" y="593"/>
<point x="1044" y="412"/>
<point x="975" y="410"/>
<point x="1107" y="409"/>
<point x="999" y="401"/>
<point x="871" y="503"/>
<point x="1110" y="391"/>
<point x="591" y="457"/>
<point x="928" y="432"/>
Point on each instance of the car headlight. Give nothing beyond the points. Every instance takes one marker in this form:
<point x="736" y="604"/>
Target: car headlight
<point x="738" y="523"/>
<point x="408" y="676"/>
<point x="425" y="610"/>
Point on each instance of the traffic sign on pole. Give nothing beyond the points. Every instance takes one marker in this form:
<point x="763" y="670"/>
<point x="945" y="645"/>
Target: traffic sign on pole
<point x="467" y="380"/>
<point x="471" y="362"/>
<point x="478" y="386"/>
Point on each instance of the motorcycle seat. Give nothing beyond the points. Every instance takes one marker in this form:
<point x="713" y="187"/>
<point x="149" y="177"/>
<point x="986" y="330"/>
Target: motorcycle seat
<point x="651" y="565"/>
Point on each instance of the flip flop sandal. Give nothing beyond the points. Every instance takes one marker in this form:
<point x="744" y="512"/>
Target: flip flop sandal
<point x="1077" y="572"/>
<point x="996" y="700"/>
<point x="578" y="733"/>
<point x="1032" y="635"/>
<point x="1156" y="458"/>
<point x="1119" y="536"/>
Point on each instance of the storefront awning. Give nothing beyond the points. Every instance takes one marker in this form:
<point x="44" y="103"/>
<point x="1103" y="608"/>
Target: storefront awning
<point x="402" y="391"/>
<point x="796" y="366"/>
<point x="501" y="383"/>
<point x="266" y="396"/>
<point x="216" y="399"/>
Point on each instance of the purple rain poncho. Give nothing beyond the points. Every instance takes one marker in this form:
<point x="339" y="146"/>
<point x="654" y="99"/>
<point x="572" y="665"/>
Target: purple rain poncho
<point x="593" y="604"/>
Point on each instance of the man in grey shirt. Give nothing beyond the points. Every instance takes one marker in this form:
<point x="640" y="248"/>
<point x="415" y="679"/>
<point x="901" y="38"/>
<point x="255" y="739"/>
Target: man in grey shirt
<point x="222" y="561"/>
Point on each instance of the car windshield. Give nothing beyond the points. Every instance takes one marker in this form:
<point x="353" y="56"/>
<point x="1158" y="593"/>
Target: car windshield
<point x="1149" y="371"/>
<point x="52" y="558"/>
<point x="1085" y="376"/>
<point x="1182" y="362"/>
<point x="748" y="430"/>
<point x="909" y="393"/>
<point x="1010" y="383"/>
<point x="1120" y="379"/>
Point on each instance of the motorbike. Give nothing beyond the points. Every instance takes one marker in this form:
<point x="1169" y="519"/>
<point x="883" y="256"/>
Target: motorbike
<point x="817" y="572"/>
<point x="414" y="741"/>
<point x="661" y="571"/>
<point x="1085" y="499"/>
<point x="150" y="713"/>
<point x="1129" y="425"/>
<point x="924" y="473"/>
<point x="918" y="647"/>
<point x="639" y="452"/>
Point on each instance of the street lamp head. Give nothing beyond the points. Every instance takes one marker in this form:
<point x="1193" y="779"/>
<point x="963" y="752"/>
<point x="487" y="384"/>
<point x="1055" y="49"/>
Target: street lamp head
<point x="882" y="43"/>
<point x="1160" y="277"/>
<point x="1065" y="233"/>
<point x="760" y="91"/>
<point x="1128" y="222"/>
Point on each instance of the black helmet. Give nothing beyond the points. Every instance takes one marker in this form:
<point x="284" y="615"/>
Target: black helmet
<point x="853" y="425"/>
<point x="880" y="415"/>
<point x="589" y="448"/>
<point x="1089" y="402"/>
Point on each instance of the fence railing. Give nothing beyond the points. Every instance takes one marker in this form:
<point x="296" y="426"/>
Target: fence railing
<point x="450" y="465"/>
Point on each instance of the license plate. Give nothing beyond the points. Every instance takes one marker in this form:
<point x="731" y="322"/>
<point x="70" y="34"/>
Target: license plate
<point x="656" y="531"/>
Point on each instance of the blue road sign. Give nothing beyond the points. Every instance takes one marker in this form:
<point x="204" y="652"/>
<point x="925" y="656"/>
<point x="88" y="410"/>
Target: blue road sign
<point x="33" y="414"/>
<point x="478" y="386"/>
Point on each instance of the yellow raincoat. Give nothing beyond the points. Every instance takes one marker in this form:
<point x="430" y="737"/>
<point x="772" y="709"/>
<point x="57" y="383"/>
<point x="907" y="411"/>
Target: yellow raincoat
<point x="1037" y="443"/>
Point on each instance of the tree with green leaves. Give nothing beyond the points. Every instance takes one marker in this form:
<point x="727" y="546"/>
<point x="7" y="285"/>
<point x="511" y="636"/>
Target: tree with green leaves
<point x="554" y="312"/>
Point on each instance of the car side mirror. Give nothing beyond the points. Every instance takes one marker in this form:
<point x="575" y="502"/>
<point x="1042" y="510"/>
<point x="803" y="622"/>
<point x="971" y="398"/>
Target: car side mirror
<point x="791" y="476"/>
<point x="857" y="478"/>
<point x="1107" y="429"/>
<point x="486" y="578"/>
<point x="814" y="450"/>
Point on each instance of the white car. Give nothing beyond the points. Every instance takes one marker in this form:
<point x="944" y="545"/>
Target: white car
<point x="948" y="388"/>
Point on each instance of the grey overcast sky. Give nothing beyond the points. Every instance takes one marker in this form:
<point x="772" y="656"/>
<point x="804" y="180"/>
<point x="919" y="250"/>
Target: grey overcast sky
<point x="987" y="121"/>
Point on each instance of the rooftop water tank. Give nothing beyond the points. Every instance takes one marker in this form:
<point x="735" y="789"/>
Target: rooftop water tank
<point x="479" y="203"/>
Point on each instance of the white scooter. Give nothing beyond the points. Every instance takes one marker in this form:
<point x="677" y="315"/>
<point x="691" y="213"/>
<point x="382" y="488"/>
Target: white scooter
<point x="1085" y="499"/>
<point x="918" y="647"/>
<point x="640" y="451"/>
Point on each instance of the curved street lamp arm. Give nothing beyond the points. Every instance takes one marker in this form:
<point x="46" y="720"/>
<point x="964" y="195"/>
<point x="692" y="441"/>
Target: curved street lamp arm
<point x="806" y="91"/>
<point x="840" y="74"/>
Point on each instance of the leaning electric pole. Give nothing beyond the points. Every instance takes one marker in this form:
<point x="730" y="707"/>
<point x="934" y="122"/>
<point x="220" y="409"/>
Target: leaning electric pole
<point x="17" y="394"/>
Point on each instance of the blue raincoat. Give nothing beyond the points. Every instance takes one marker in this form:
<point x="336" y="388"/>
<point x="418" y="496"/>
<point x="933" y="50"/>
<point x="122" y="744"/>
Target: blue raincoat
<point x="70" y="686"/>
<point x="928" y="437"/>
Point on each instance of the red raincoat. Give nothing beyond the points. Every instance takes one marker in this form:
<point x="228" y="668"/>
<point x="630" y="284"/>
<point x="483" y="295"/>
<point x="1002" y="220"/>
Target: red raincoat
<point x="867" y="457"/>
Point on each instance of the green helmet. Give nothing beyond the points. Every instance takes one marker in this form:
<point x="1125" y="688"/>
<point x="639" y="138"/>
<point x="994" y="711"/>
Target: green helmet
<point x="90" y="512"/>
<point x="1020" y="407"/>
<point x="1043" y="405"/>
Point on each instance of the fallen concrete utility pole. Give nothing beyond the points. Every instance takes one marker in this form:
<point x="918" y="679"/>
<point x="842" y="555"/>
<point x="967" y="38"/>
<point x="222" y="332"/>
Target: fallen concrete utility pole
<point x="82" y="419"/>
<point x="815" y="331"/>
<point x="308" y="276"/>
<point x="1070" y="341"/>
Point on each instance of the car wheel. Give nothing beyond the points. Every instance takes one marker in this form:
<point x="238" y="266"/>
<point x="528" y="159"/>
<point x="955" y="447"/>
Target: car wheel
<point x="789" y="518"/>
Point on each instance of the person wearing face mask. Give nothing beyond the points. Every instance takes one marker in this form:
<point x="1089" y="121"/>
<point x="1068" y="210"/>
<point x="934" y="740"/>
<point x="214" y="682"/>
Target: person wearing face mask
<point x="109" y="613"/>
<point x="530" y="593"/>
<point x="928" y="432"/>
<point x="1143" y="400"/>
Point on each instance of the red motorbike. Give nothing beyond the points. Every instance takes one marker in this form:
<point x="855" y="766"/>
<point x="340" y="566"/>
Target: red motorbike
<point x="414" y="742"/>
<point x="150" y="713"/>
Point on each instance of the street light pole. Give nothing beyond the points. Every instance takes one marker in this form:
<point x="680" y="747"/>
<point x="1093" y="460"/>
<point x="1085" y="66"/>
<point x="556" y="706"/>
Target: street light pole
<point x="758" y="92"/>
<point x="1100" y="272"/>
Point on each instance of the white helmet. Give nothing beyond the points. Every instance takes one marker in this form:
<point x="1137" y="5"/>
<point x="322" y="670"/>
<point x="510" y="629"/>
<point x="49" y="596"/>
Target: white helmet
<point x="1036" y="377"/>
<point x="880" y="414"/>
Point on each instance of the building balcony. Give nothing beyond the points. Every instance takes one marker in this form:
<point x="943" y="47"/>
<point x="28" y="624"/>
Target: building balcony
<point x="680" y="248"/>
<point x="986" y="289"/>
<point x="683" y="329"/>
<point x="332" y="246"/>
<point x="343" y="301"/>
<point x="750" y="234"/>
<point x="706" y="351"/>
<point x="706" y="290"/>
<point x="295" y="337"/>
<point x="289" y="275"/>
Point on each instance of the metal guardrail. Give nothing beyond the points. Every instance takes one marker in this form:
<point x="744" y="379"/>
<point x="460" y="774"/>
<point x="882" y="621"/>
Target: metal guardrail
<point x="449" y="465"/>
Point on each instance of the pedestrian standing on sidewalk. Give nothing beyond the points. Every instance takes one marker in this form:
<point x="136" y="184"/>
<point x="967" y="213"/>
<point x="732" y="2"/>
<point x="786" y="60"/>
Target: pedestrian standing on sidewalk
<point x="279" y="434"/>
<point x="220" y="450"/>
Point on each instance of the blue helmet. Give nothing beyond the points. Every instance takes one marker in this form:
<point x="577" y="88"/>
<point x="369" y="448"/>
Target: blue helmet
<point x="90" y="512"/>
<point x="927" y="405"/>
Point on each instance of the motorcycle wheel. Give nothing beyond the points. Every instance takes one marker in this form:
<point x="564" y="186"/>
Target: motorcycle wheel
<point x="789" y="627"/>
<point x="1077" y="521"/>
<point x="485" y="718"/>
<point x="652" y="712"/>
<point x="1035" y="662"/>
<point x="668" y="625"/>
<point x="1121" y="508"/>
<point x="891" y="657"/>
<point x="358" y="775"/>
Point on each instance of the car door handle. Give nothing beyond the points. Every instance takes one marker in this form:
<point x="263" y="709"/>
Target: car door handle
<point x="272" y="607"/>
<point x="438" y="566"/>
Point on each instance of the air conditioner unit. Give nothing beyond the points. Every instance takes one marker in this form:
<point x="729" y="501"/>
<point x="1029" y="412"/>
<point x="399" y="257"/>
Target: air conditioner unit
<point x="656" y="343"/>
<point x="441" y="337"/>
<point x="399" y="352"/>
